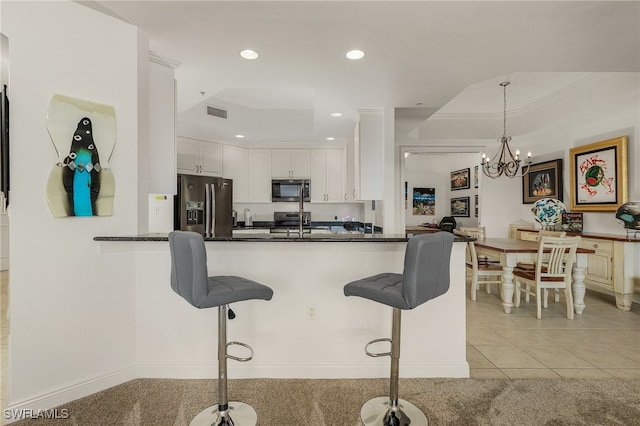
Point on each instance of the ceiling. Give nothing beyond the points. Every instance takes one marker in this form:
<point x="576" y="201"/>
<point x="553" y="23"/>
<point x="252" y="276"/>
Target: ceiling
<point x="422" y="57"/>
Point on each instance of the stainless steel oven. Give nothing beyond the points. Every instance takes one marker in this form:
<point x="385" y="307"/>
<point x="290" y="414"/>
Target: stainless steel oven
<point x="288" y="190"/>
<point x="289" y="222"/>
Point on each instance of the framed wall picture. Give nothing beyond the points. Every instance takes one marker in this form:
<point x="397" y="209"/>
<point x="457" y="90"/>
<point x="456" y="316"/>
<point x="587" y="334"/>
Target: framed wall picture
<point x="424" y="201"/>
<point x="460" y="180"/>
<point x="544" y="180"/>
<point x="460" y="206"/>
<point x="598" y="174"/>
<point x="475" y="177"/>
<point x="476" y="204"/>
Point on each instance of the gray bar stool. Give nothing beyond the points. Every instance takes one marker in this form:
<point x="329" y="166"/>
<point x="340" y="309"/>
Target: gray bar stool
<point x="425" y="277"/>
<point x="189" y="278"/>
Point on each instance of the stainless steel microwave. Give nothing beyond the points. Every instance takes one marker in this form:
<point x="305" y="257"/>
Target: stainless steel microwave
<point x="289" y="190"/>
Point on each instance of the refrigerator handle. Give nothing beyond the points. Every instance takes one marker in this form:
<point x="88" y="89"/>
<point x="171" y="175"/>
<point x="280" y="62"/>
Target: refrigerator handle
<point x="213" y="186"/>
<point x="207" y="209"/>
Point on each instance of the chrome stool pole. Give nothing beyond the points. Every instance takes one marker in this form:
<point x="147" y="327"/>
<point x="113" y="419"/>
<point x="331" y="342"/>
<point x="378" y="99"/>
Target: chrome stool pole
<point x="220" y="414"/>
<point x="391" y="411"/>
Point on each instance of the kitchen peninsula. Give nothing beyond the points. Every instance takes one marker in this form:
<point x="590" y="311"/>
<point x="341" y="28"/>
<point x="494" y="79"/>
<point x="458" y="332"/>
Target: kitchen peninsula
<point x="309" y="329"/>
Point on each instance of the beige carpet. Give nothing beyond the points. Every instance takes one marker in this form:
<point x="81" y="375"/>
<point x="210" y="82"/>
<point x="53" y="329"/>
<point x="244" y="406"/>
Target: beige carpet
<point x="301" y="402"/>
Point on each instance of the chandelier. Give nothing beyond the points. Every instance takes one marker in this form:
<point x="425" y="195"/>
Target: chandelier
<point x="505" y="162"/>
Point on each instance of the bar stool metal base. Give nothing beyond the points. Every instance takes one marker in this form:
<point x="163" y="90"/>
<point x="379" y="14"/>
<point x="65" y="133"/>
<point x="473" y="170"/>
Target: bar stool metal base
<point x="240" y="414"/>
<point x="378" y="412"/>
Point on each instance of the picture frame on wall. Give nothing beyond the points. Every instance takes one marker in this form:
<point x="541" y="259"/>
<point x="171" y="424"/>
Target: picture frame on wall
<point x="460" y="207"/>
<point x="424" y="201"/>
<point x="598" y="173"/>
<point x="476" y="204"/>
<point x="460" y="180"/>
<point x="475" y="177"/>
<point x="544" y="180"/>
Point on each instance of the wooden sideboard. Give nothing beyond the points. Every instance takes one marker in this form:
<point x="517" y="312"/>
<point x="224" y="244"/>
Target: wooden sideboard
<point x="610" y="269"/>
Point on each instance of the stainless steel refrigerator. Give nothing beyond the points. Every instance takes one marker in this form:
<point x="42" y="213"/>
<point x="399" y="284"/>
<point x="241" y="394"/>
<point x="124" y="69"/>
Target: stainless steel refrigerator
<point x="203" y="205"/>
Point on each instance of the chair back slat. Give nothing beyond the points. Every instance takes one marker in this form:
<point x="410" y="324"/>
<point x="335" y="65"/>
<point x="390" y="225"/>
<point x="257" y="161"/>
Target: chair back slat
<point x="478" y="233"/>
<point x="556" y="256"/>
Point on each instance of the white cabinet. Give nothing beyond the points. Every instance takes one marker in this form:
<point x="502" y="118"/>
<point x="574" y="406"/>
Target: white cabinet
<point x="326" y="175"/>
<point x="198" y="157"/>
<point x="260" y="175"/>
<point x="349" y="168"/>
<point x="161" y="152"/>
<point x="599" y="269"/>
<point x="369" y="154"/>
<point x="290" y="163"/>
<point x="236" y="167"/>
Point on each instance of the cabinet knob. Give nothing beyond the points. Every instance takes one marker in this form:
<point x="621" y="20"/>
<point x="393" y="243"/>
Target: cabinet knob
<point x="595" y="246"/>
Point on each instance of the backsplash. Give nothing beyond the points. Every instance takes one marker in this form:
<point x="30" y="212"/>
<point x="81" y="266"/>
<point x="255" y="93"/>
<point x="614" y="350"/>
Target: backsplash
<point x="319" y="212"/>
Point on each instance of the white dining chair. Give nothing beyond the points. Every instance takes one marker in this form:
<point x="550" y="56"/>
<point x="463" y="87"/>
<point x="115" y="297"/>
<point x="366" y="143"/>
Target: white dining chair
<point x="481" y="270"/>
<point x="552" y="271"/>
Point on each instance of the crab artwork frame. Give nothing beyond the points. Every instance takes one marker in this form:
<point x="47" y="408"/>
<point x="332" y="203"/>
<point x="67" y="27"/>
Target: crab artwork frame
<point x="598" y="173"/>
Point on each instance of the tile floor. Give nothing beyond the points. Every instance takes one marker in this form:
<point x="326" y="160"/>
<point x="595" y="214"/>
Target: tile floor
<point x="603" y="342"/>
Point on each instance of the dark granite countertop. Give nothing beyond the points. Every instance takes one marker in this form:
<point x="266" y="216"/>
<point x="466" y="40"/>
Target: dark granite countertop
<point x="381" y="238"/>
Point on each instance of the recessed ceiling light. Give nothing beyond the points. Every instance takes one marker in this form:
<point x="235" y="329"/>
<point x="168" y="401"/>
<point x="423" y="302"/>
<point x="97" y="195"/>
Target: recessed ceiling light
<point x="249" y="54"/>
<point x="331" y="138"/>
<point x="336" y="114"/>
<point x="355" y="54"/>
<point x="239" y="136"/>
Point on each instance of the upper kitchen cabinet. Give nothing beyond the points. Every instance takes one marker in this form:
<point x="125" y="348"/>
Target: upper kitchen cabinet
<point x="290" y="163"/>
<point x="260" y="175"/>
<point x="161" y="152"/>
<point x="197" y="157"/>
<point x="236" y="167"/>
<point x="369" y="155"/>
<point x="326" y="175"/>
<point x="351" y="186"/>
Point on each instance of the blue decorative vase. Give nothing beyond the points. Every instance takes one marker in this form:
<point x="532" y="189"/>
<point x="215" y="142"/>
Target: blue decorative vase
<point x="548" y="212"/>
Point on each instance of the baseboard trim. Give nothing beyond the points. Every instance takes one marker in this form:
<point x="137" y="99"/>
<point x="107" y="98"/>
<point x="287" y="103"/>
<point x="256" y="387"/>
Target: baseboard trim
<point x="68" y="393"/>
<point x="305" y="371"/>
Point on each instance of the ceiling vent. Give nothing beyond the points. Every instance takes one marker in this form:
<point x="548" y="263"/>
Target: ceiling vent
<point x="216" y="112"/>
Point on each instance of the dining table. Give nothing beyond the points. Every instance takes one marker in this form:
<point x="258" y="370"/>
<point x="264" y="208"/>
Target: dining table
<point x="511" y="251"/>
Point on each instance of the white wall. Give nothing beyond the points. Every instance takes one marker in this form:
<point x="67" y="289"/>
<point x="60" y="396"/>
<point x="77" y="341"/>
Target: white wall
<point x="286" y="343"/>
<point x="432" y="170"/>
<point x="72" y="310"/>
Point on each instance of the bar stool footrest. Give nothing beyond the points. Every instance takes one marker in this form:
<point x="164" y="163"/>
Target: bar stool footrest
<point x="377" y="354"/>
<point x="235" y="358"/>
